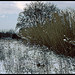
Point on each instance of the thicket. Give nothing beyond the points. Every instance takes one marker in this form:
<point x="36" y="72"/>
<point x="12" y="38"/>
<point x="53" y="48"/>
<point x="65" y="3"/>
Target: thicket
<point x="57" y="32"/>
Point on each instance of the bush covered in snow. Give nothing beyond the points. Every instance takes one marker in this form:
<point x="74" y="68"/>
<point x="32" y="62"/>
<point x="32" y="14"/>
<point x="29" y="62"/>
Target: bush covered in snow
<point x="53" y="33"/>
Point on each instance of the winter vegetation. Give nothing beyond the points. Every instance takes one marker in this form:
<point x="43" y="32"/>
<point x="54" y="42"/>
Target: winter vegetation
<point x="19" y="58"/>
<point x="9" y="34"/>
<point x="43" y="43"/>
<point x="45" y="24"/>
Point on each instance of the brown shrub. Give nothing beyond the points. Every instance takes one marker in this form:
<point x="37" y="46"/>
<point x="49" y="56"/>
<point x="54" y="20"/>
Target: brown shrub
<point x="51" y="34"/>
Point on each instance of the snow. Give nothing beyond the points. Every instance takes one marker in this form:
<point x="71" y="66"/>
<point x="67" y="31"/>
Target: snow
<point x="22" y="58"/>
<point x="64" y="39"/>
<point x="2" y="69"/>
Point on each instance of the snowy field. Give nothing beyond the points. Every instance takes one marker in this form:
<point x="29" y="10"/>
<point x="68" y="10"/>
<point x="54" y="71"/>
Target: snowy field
<point x="19" y="58"/>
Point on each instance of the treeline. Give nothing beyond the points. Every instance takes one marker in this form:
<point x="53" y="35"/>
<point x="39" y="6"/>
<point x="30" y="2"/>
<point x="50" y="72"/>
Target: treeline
<point x="9" y="34"/>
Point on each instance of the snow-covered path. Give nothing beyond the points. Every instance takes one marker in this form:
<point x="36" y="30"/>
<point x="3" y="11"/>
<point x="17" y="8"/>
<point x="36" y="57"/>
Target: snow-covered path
<point x="19" y="58"/>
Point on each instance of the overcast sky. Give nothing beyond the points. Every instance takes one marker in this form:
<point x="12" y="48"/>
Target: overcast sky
<point x="9" y="11"/>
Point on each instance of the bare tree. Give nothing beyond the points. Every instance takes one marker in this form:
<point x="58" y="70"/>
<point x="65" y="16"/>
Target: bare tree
<point x="35" y="13"/>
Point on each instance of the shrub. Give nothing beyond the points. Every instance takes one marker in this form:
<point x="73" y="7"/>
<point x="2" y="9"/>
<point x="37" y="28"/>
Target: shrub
<point x="53" y="33"/>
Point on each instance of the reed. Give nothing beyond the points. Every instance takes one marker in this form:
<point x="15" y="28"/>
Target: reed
<point x="51" y="34"/>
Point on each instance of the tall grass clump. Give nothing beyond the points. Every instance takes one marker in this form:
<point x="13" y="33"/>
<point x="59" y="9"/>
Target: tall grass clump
<point x="53" y="33"/>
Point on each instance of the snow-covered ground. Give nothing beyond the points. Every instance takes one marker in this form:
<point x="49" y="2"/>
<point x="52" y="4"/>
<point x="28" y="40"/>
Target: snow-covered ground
<point x="19" y="58"/>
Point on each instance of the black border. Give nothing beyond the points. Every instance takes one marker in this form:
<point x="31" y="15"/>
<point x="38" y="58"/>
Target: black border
<point x="37" y="0"/>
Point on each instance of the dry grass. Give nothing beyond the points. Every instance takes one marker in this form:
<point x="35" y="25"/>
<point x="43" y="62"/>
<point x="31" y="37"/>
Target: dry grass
<point x="51" y="34"/>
